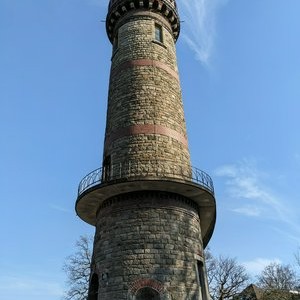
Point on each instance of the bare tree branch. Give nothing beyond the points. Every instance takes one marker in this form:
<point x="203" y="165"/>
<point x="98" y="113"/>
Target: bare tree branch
<point x="77" y="268"/>
<point x="226" y="277"/>
<point x="277" y="277"/>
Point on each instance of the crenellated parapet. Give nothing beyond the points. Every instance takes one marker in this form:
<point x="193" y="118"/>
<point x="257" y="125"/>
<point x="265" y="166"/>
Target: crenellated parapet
<point x="118" y="8"/>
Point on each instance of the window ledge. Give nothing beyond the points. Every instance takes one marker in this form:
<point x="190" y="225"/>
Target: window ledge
<point x="159" y="43"/>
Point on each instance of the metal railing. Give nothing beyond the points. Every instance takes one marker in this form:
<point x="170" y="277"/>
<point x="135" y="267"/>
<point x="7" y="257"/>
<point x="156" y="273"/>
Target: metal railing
<point x="132" y="170"/>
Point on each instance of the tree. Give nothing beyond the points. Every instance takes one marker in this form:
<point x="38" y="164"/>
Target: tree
<point x="226" y="278"/>
<point x="77" y="268"/>
<point x="276" y="295"/>
<point x="277" y="277"/>
<point x="277" y="281"/>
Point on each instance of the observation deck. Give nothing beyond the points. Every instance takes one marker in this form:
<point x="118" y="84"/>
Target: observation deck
<point x="131" y="176"/>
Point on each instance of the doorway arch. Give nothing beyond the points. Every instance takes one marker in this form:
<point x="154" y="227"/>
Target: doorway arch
<point x="147" y="293"/>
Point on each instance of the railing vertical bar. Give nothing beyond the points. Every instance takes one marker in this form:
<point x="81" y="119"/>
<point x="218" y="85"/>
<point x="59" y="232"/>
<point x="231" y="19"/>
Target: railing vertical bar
<point x="129" y="168"/>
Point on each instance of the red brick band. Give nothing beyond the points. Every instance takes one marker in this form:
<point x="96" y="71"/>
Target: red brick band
<point x="145" y="129"/>
<point x="146" y="282"/>
<point x="145" y="62"/>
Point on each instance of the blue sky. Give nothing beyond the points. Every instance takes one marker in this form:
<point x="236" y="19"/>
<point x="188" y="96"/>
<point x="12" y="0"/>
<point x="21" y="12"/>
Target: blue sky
<point x="240" y="73"/>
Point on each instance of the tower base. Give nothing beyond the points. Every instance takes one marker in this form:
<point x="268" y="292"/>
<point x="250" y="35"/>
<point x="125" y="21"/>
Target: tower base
<point x="148" y="246"/>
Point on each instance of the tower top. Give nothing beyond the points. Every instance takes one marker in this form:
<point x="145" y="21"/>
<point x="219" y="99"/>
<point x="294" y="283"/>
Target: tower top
<point x="118" y="8"/>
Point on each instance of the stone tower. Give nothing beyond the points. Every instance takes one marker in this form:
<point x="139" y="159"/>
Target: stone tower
<point x="154" y="213"/>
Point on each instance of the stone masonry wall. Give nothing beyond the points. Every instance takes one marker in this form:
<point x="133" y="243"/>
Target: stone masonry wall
<point x="145" y="117"/>
<point x="136" y="36"/>
<point x="146" y="236"/>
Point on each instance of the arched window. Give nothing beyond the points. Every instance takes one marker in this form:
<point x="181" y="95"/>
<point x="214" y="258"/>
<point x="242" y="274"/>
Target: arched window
<point x="147" y="293"/>
<point x="94" y="286"/>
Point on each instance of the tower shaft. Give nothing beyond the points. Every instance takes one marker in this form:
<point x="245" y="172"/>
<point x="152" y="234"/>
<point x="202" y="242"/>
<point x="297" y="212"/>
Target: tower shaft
<point x="154" y="213"/>
<point x="145" y="119"/>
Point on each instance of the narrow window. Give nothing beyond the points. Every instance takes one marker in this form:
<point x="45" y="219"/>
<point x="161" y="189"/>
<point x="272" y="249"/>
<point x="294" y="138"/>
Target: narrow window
<point x="115" y="42"/>
<point x="201" y="278"/>
<point x="106" y="172"/>
<point x="94" y="287"/>
<point x="158" y="33"/>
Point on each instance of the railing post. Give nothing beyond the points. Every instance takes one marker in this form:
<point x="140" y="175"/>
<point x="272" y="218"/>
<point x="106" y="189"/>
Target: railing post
<point x="98" y="174"/>
<point x="129" y="168"/>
